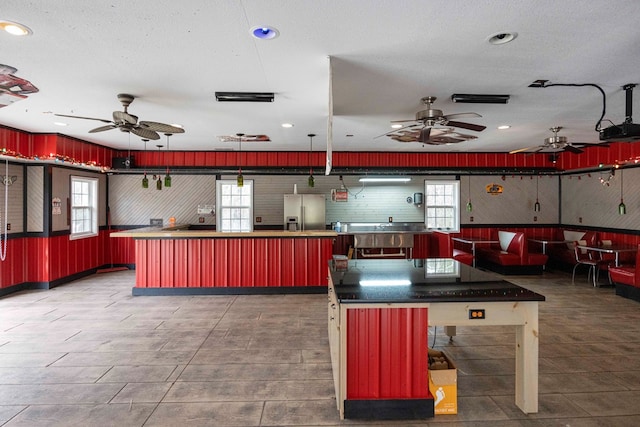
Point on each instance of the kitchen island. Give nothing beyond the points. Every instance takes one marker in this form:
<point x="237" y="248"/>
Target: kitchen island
<point x="379" y="312"/>
<point x="179" y="261"/>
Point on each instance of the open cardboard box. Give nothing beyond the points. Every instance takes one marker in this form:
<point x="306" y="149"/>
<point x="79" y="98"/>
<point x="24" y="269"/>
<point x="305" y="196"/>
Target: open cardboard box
<point x="443" y="385"/>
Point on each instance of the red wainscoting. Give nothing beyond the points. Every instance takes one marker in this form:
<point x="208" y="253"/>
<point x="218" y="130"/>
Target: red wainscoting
<point x="387" y="353"/>
<point x="232" y="262"/>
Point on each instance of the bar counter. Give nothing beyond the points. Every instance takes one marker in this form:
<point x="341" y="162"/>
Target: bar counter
<point x="178" y="261"/>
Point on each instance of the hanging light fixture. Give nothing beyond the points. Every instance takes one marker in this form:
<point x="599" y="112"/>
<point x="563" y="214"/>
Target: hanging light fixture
<point x="167" y="178"/>
<point x="536" y="205"/>
<point x="145" y="180"/>
<point x="622" y="209"/>
<point x="469" y="205"/>
<point x="239" y="178"/>
<point x="311" y="181"/>
<point x="159" y="177"/>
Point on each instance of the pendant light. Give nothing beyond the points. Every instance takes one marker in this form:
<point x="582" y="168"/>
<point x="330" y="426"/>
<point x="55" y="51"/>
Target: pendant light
<point x="159" y="180"/>
<point x="239" y="178"/>
<point x="145" y="180"/>
<point x="167" y="178"/>
<point x="469" y="205"/>
<point x="311" y="181"/>
<point x="622" y="209"/>
<point x="536" y="205"/>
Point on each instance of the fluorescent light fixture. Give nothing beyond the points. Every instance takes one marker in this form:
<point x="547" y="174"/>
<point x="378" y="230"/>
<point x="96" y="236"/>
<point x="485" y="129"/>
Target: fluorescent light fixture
<point x="396" y="126"/>
<point x="287" y="125"/>
<point x="390" y="282"/>
<point x="503" y="127"/>
<point x="385" y="179"/>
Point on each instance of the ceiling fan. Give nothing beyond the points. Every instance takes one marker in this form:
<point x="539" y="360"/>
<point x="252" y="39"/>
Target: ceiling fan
<point x="428" y="135"/>
<point x="555" y="143"/>
<point x="129" y="123"/>
<point x="431" y="117"/>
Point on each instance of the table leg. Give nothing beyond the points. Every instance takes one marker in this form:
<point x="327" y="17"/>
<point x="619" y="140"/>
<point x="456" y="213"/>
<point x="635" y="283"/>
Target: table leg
<point x="527" y="363"/>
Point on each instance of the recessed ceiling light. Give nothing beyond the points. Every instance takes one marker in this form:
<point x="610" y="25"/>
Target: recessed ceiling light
<point x="396" y="126"/>
<point x="502" y="37"/>
<point x="264" y="32"/>
<point x="503" y="127"/>
<point x="287" y="125"/>
<point x="60" y="124"/>
<point x="15" y="28"/>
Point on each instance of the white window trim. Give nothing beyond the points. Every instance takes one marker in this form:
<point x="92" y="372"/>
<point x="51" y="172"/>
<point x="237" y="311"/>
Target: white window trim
<point x="220" y="207"/>
<point x="456" y="206"/>
<point x="93" y="207"/>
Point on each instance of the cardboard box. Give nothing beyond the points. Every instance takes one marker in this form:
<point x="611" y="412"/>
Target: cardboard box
<point x="341" y="262"/>
<point x="443" y="385"/>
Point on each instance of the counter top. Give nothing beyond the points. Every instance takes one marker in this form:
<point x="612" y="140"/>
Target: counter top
<point x="422" y="280"/>
<point x="181" y="233"/>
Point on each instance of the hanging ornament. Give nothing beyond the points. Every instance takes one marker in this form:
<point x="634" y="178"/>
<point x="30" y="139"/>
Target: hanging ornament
<point x="536" y="205"/>
<point x="469" y="205"/>
<point x="622" y="208"/>
<point x="311" y="181"/>
<point x="159" y="180"/>
<point x="145" y="180"/>
<point x="167" y="178"/>
<point x="240" y="178"/>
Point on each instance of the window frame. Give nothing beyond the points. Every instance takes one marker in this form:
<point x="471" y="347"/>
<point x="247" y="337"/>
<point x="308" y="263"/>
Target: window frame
<point x="221" y="208"/>
<point x="455" y="216"/>
<point x="91" y="207"/>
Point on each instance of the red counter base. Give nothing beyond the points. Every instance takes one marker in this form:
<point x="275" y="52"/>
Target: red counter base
<point x="390" y="409"/>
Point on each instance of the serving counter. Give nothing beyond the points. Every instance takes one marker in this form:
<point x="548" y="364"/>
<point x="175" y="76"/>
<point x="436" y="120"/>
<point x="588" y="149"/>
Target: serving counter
<point x="178" y="261"/>
<point x="379" y="312"/>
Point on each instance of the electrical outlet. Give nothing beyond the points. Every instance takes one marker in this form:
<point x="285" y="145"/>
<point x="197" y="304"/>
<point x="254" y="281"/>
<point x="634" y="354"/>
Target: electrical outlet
<point x="156" y="221"/>
<point x="201" y="220"/>
<point x="258" y="219"/>
<point x="390" y="219"/>
<point x="476" y="313"/>
<point x="8" y="226"/>
<point x="535" y="218"/>
<point x="470" y="219"/>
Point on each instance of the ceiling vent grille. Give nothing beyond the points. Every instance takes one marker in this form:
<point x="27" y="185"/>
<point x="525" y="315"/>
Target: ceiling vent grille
<point x="244" y="96"/>
<point x="479" y="99"/>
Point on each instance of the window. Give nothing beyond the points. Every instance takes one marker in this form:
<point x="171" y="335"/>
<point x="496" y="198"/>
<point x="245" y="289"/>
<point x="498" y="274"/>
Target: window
<point x="442" y="205"/>
<point x="234" y="206"/>
<point x="84" y="207"/>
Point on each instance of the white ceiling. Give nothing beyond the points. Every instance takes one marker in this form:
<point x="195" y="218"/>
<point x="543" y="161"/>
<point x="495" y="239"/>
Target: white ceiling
<point x="385" y="55"/>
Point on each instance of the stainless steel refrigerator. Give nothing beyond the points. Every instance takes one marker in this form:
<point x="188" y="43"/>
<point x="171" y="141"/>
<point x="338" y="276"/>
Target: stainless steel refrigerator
<point x="304" y="212"/>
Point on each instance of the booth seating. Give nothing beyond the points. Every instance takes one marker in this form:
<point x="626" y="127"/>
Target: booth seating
<point x="446" y="248"/>
<point x="511" y="255"/>
<point x="627" y="279"/>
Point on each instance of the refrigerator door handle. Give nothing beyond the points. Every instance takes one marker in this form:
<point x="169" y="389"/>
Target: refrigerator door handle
<point x="302" y="224"/>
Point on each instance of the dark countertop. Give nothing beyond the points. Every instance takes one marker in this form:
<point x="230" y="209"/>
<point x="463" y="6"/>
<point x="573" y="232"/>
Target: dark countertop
<point x="422" y="280"/>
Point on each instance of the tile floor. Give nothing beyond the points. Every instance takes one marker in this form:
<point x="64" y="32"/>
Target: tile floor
<point x="89" y="354"/>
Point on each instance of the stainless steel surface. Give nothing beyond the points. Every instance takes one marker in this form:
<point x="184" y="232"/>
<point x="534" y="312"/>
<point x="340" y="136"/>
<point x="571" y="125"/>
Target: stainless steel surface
<point x="309" y="208"/>
<point x="383" y="240"/>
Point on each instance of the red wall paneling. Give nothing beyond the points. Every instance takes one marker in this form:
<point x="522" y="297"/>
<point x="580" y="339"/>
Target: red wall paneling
<point x="387" y="353"/>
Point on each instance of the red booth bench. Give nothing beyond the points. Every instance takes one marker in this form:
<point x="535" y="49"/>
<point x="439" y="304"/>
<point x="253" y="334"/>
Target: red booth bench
<point x="627" y="279"/>
<point x="510" y="255"/>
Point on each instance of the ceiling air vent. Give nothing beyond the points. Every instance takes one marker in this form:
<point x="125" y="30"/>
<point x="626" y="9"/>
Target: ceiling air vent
<point x="244" y="96"/>
<point x="479" y="99"/>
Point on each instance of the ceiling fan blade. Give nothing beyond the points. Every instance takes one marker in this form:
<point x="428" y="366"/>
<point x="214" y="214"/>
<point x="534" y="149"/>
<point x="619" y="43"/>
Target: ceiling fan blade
<point x="397" y="130"/>
<point x="570" y="148"/>
<point x="145" y="133"/>
<point x="404" y="138"/>
<point x="403" y="121"/>
<point x="458" y="115"/>
<point x="103" y="128"/>
<point x="121" y="116"/>
<point x="425" y="132"/>
<point x="161" y="127"/>
<point x="463" y="125"/>
<point x="446" y="140"/>
<point x="520" y="150"/>
<point x="81" y="117"/>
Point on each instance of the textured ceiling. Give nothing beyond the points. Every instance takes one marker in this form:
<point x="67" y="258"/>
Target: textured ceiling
<point x="381" y="57"/>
